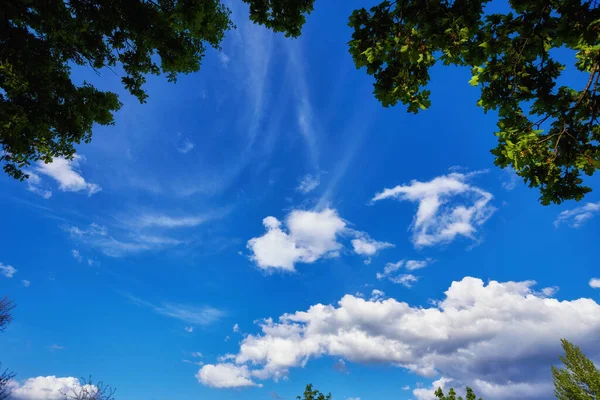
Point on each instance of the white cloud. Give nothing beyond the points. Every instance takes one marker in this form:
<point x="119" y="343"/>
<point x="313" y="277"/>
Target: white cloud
<point x="340" y="366"/>
<point x="576" y="217"/>
<point x="165" y="221"/>
<point x="33" y="185"/>
<point x="366" y="246"/>
<point x="412" y="265"/>
<point x="311" y="235"/>
<point x="76" y="255"/>
<point x="376" y="295"/>
<point x="406" y="280"/>
<point x="225" y="376"/>
<point x="308" y="183"/>
<point x="498" y="337"/>
<point x="510" y="180"/>
<point x="26" y="283"/>
<point x="407" y="387"/>
<point x="236" y="328"/>
<point x="549" y="291"/>
<point x="595" y="283"/>
<point x="197" y="354"/>
<point x="66" y="173"/>
<point x="224" y="58"/>
<point x="440" y="216"/>
<point x="7" y="270"/>
<point x="98" y="236"/>
<point x="186" y="146"/>
<point x="46" y="388"/>
<point x="189" y="329"/>
<point x="203" y="315"/>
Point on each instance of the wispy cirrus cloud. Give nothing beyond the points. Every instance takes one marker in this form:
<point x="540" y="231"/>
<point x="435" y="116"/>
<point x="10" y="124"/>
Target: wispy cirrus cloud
<point x="578" y="216"/>
<point x="98" y="236"/>
<point x="449" y="207"/>
<point x="195" y="315"/>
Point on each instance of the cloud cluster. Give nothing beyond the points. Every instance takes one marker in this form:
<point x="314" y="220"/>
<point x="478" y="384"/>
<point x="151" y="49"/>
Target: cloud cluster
<point x="499" y="337"/>
<point x="65" y="172"/>
<point x="47" y="388"/>
<point x="390" y="271"/>
<point x="576" y="217"/>
<point x="595" y="283"/>
<point x="306" y="237"/>
<point x="448" y="207"/>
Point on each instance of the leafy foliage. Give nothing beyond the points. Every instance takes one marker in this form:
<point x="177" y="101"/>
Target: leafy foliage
<point x="452" y="395"/>
<point x="310" y="394"/>
<point x="549" y="135"/>
<point x="286" y="16"/>
<point x="580" y="379"/>
<point x="43" y="113"/>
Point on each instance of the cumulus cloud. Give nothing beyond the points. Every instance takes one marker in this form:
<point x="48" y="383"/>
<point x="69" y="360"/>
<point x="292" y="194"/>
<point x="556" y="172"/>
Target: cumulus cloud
<point x="7" y="270"/>
<point x="595" y="283"/>
<point x="448" y="207"/>
<point x="47" y="388"/>
<point x="499" y="337"/>
<point x="66" y="173"/>
<point x="305" y="237"/>
<point x="225" y="376"/>
<point x="308" y="183"/>
<point x="310" y="235"/>
<point x="576" y="217"/>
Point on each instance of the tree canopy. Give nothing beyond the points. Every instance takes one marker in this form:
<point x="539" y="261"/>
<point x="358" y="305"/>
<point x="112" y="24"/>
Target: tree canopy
<point x="579" y="379"/>
<point x="548" y="134"/>
<point x="310" y="394"/>
<point x="439" y="394"/>
<point x="44" y="114"/>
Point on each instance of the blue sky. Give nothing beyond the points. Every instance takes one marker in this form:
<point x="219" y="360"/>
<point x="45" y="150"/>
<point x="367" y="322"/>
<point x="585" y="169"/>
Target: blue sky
<point x="272" y="184"/>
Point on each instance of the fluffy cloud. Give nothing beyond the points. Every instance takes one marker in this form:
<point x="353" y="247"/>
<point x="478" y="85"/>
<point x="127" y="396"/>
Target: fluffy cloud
<point x="65" y="173"/>
<point x="499" y="338"/>
<point x="308" y="183"/>
<point x="595" y="283"/>
<point x="225" y="376"/>
<point x="448" y="207"/>
<point x="307" y="237"/>
<point x="46" y="388"/>
<point x="310" y="236"/>
<point x="33" y="185"/>
<point x="576" y="217"/>
<point x="7" y="270"/>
